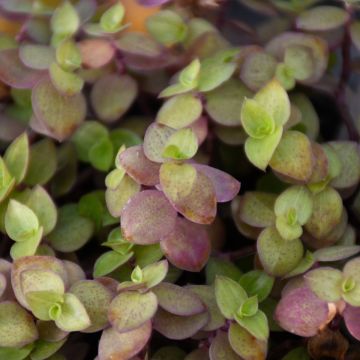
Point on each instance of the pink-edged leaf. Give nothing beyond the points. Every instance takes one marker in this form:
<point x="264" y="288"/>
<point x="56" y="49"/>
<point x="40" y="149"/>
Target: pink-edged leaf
<point x="147" y="218"/>
<point x="179" y="327"/>
<point x="351" y="317"/>
<point x="196" y="201"/>
<point x="226" y="187"/>
<point x="152" y="2"/>
<point x="178" y="300"/>
<point x="220" y="348"/>
<point x="301" y="312"/>
<point x="10" y="128"/>
<point x="14" y="73"/>
<point x="96" y="53"/>
<point x="200" y="128"/>
<point x="139" y="167"/>
<point x="187" y="246"/>
<point x="116" y="346"/>
<point x="59" y="114"/>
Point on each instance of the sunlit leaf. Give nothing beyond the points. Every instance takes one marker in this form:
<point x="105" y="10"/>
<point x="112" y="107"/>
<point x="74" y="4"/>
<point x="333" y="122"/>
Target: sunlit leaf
<point x="256" y="325"/>
<point x="65" y="20"/>
<point x="110" y="261"/>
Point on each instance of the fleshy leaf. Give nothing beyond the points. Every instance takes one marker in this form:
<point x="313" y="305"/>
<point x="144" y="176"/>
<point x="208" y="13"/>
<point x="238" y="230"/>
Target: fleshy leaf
<point x="256" y="325"/>
<point x="229" y="296"/>
<point x="60" y="114"/>
<point x="21" y="222"/>
<point x="322" y="18"/>
<point x="190" y="192"/>
<point x="68" y="55"/>
<point x="299" y="60"/>
<point x="95" y="53"/>
<point x="112" y="18"/>
<point x="7" y="181"/>
<point x="278" y="256"/>
<point x="73" y="315"/>
<point x="65" y="20"/>
<point x="169" y="352"/>
<point x="293" y="157"/>
<point x="177" y="300"/>
<point x="181" y="145"/>
<point x="325" y="283"/>
<point x="27" y="247"/>
<point x="351" y="315"/>
<point x="246" y="345"/>
<point x="139" y="167"/>
<point x="67" y="83"/>
<point x="187" y="246"/>
<point x="220" y="348"/>
<point x="72" y="230"/>
<point x="38" y="57"/>
<point x="17" y="327"/>
<point x="301" y="312"/>
<point x="156" y="214"/>
<point x="123" y="345"/>
<point x="130" y="310"/>
<point x="336" y="252"/>
<point x="101" y="154"/>
<point x="258" y="283"/>
<point x="179" y="327"/>
<point x="10" y="353"/>
<point x="40" y="302"/>
<point x="110" y="261"/>
<point x="112" y="95"/>
<point x="155" y="273"/>
<point x="216" y="266"/>
<point x="180" y="111"/>
<point x="44" y="349"/>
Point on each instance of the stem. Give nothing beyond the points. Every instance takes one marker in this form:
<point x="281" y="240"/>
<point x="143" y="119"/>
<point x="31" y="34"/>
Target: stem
<point x="340" y="91"/>
<point x="238" y="254"/>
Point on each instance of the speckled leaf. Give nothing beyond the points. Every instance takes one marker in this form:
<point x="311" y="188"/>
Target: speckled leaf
<point x="112" y="96"/>
<point x="187" y="246"/>
<point x="224" y="103"/>
<point x="139" y="167"/>
<point x="177" y="300"/>
<point x="72" y="230"/>
<point x="278" y="256"/>
<point x="336" y="253"/>
<point x="191" y="193"/>
<point x="117" y="198"/>
<point x="301" y="312"/>
<point x="179" y="327"/>
<point x="17" y="327"/>
<point x="322" y="18"/>
<point x="130" y="310"/>
<point x="115" y="345"/>
<point x="96" y="53"/>
<point x="246" y="345"/>
<point x="220" y="348"/>
<point x="60" y="114"/>
<point x="96" y="299"/>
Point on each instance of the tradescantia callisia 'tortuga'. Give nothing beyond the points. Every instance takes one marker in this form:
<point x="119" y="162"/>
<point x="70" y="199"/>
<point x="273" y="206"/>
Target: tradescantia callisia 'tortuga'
<point x="126" y="127"/>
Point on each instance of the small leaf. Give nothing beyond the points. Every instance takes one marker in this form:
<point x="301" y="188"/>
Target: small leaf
<point x="68" y="55"/>
<point x="101" y="154"/>
<point x="17" y="157"/>
<point x="181" y="145"/>
<point x="73" y="315"/>
<point x="38" y="57"/>
<point x="299" y="60"/>
<point x="7" y="182"/>
<point x="222" y="267"/>
<point x="66" y="83"/>
<point x="112" y="18"/>
<point x="154" y="274"/>
<point x="21" y="223"/>
<point x="167" y="27"/>
<point x="110" y="261"/>
<point x="336" y="253"/>
<point x="130" y="310"/>
<point x="180" y="111"/>
<point x="41" y="302"/>
<point x="27" y="247"/>
<point x="220" y="348"/>
<point x="248" y="308"/>
<point x="256" y="325"/>
<point x="95" y="53"/>
<point x="10" y="353"/>
<point x="258" y="283"/>
<point x="65" y="20"/>
<point x="351" y="314"/>
<point x="44" y="349"/>
<point x="298" y="353"/>
<point x="229" y="296"/>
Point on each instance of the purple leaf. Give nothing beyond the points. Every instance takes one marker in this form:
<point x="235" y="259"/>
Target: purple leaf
<point x="351" y="317"/>
<point x="152" y="2"/>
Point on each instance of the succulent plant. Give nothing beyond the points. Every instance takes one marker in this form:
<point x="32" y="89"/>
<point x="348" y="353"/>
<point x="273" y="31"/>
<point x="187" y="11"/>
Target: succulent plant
<point x="126" y="127"/>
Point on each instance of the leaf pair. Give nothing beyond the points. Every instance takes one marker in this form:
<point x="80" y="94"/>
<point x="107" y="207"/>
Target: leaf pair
<point x="263" y="118"/>
<point x="235" y="304"/>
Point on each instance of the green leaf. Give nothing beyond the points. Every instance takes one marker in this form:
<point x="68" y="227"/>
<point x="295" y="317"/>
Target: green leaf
<point x="101" y="154"/>
<point x="113" y="178"/>
<point x="299" y="353"/>
<point x="258" y="283"/>
<point x="222" y="267"/>
<point x="117" y="242"/>
<point x="288" y="226"/>
<point x="299" y="60"/>
<point x="10" y="353"/>
<point x="256" y="325"/>
<point x="304" y="265"/>
<point x="167" y="27"/>
<point x="180" y="111"/>
<point x="248" y="308"/>
<point x="285" y="75"/>
<point x="68" y="55"/>
<point x="44" y="349"/>
<point x="181" y="145"/>
<point x="229" y="296"/>
<point x="256" y="120"/>
<point x="73" y="315"/>
<point x="110" y="261"/>
<point x="275" y="101"/>
<point x="154" y="274"/>
<point x="7" y="182"/>
<point x="21" y="223"/>
<point x="325" y="283"/>
<point x="85" y="137"/>
<point x="65" y="82"/>
<point x="147" y="254"/>
<point x="137" y="275"/>
<point x="260" y="151"/>
<point x="188" y="76"/>
<point x="112" y="18"/>
<point x="65" y="20"/>
<point x="27" y="247"/>
<point x="131" y="309"/>
<point x="72" y="230"/>
<point x="17" y="157"/>
<point x="43" y="163"/>
<point x="41" y="302"/>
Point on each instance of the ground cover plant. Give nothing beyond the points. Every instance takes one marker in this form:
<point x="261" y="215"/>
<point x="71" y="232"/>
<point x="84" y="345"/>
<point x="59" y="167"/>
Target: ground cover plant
<point x="179" y="180"/>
